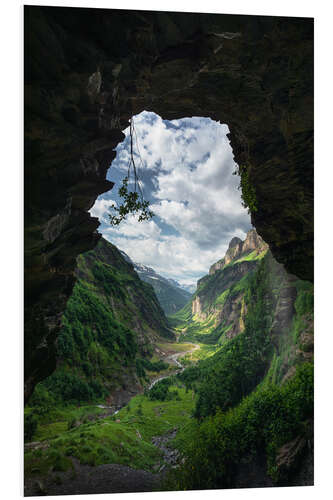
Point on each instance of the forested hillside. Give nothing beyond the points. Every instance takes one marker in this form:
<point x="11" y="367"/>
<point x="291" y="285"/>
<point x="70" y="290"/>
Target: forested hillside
<point x="110" y="327"/>
<point x="254" y="396"/>
<point x="170" y="294"/>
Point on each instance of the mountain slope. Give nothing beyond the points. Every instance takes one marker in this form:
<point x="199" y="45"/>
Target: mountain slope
<point x="217" y="309"/>
<point x="111" y="323"/>
<point x="254" y="396"/>
<point x="170" y="294"/>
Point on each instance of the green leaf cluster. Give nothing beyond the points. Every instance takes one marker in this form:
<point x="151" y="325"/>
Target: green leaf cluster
<point x="132" y="204"/>
<point x="249" y="199"/>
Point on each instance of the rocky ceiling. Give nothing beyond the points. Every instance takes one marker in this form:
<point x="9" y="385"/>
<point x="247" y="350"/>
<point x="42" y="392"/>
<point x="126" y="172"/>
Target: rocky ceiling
<point x="87" y="71"/>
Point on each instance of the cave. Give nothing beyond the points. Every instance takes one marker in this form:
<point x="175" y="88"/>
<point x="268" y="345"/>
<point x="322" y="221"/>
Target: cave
<point x="87" y="71"/>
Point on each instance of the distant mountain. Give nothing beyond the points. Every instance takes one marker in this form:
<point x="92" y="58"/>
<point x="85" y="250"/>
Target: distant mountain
<point x="171" y="295"/>
<point x="189" y="288"/>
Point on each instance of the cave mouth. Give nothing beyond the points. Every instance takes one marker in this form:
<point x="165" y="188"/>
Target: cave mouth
<point x="186" y="172"/>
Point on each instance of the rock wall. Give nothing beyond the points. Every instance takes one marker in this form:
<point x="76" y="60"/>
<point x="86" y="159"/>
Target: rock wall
<point x="215" y="299"/>
<point x="87" y="71"/>
<point x="238" y="248"/>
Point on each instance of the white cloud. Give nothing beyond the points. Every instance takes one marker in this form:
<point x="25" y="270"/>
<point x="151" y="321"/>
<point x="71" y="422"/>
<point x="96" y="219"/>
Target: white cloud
<point x="171" y="256"/>
<point x="101" y="209"/>
<point x="132" y="229"/>
<point x="188" y="165"/>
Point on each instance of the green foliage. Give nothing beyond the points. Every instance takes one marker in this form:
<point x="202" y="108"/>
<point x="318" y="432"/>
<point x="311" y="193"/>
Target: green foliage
<point x="131" y="205"/>
<point x="30" y="426"/>
<point x="169" y="296"/>
<point x="235" y="370"/>
<point x="108" y="278"/>
<point x="133" y="200"/>
<point x="304" y="301"/>
<point x="146" y="364"/>
<point x="90" y="343"/>
<point x="181" y="316"/>
<point x="160" y="391"/>
<point x="110" y="441"/>
<point x="249" y="199"/>
<point x="304" y="310"/>
<point x="68" y="387"/>
<point x="261" y="423"/>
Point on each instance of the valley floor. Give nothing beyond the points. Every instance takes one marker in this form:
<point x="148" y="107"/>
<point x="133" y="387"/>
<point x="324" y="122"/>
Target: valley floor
<point x="107" y="452"/>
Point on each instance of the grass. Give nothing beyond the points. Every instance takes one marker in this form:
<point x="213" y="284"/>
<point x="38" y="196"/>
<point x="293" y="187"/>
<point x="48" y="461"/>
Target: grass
<point x="205" y="351"/>
<point x="158" y="417"/>
<point x="70" y="412"/>
<point x="223" y="297"/>
<point x="173" y="347"/>
<point x="251" y="256"/>
<point x="49" y="431"/>
<point x="123" y="439"/>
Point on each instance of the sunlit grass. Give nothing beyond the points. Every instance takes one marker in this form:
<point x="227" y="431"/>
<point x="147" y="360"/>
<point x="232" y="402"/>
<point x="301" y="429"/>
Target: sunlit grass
<point x="124" y="438"/>
<point x="173" y="347"/>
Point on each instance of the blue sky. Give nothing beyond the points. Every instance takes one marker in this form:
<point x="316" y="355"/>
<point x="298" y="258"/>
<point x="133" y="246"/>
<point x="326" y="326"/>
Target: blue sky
<point x="186" y="174"/>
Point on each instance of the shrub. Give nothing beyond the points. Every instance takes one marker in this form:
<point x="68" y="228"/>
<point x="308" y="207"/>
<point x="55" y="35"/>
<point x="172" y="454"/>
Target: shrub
<point x="261" y="423"/>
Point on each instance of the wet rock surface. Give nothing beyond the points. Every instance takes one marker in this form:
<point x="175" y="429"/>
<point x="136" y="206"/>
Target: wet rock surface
<point x="170" y="454"/>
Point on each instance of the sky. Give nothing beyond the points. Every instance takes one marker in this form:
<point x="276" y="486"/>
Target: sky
<point x="186" y="171"/>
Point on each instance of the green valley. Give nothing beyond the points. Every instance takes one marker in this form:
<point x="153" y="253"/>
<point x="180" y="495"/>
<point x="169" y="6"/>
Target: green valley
<point x="195" y="400"/>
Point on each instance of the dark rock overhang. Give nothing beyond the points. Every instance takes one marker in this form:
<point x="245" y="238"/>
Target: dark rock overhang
<point x="87" y="71"/>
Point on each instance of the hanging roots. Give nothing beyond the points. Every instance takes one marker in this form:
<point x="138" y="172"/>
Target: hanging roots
<point x="134" y="201"/>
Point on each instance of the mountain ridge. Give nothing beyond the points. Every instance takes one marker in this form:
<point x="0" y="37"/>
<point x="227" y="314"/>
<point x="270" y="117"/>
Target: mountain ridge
<point x="217" y="309"/>
<point x="238" y="248"/>
<point x="111" y="326"/>
<point x="171" y="295"/>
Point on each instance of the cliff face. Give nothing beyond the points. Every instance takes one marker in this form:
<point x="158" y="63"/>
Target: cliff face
<point x="238" y="248"/>
<point x="218" y="304"/>
<point x="259" y="365"/>
<point x="219" y="312"/>
<point x="88" y="71"/>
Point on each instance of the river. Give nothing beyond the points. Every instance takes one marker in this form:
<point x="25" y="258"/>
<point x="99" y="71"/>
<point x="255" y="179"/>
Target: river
<point x="171" y="358"/>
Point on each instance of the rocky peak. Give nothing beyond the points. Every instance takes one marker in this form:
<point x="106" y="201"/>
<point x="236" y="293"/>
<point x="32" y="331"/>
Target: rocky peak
<point x="252" y="242"/>
<point x="238" y="248"/>
<point x="235" y="241"/>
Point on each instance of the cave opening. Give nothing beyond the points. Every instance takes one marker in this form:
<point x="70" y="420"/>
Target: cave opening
<point x="254" y="72"/>
<point x="187" y="173"/>
<point x="96" y="337"/>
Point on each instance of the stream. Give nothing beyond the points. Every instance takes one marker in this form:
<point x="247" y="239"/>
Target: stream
<point x="171" y="358"/>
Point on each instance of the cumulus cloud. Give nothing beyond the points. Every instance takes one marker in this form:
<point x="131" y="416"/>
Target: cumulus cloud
<point x="132" y="229"/>
<point x="171" y="256"/>
<point x="101" y="209"/>
<point x="186" y="167"/>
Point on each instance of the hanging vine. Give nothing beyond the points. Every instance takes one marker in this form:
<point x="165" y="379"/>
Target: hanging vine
<point x="133" y="201"/>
